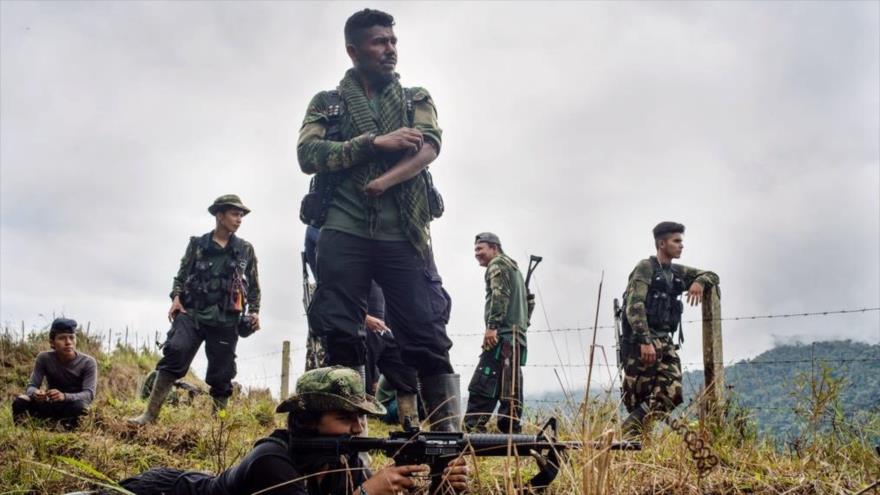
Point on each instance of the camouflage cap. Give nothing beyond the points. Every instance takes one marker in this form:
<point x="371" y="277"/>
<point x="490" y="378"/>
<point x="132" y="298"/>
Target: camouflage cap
<point x="664" y="228"/>
<point x="228" y="200"/>
<point x="487" y="237"/>
<point x="329" y="389"/>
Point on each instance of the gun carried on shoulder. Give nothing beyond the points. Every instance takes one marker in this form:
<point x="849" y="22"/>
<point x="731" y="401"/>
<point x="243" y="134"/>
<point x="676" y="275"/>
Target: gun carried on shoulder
<point x="437" y="449"/>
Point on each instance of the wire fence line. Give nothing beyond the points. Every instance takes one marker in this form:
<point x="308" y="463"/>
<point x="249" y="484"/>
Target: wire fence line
<point x="698" y="320"/>
<point x="734" y="363"/>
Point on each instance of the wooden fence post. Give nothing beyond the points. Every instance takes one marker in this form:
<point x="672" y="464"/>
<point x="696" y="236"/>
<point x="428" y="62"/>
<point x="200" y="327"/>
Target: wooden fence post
<point x="285" y="369"/>
<point x="713" y="358"/>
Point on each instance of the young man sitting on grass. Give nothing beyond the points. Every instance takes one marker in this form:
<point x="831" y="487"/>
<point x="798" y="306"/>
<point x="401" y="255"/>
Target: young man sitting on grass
<point x="328" y="401"/>
<point x="70" y="378"/>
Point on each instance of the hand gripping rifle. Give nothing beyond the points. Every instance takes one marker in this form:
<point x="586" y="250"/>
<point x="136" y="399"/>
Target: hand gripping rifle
<point x="437" y="449"/>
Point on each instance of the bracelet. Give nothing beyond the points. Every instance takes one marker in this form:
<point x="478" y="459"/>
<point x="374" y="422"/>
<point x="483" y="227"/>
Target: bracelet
<point x="362" y="490"/>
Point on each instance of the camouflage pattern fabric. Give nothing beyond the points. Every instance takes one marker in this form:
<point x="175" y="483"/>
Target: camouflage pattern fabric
<point x="356" y="153"/>
<point x="658" y="385"/>
<point x="507" y="308"/>
<point x="637" y="291"/>
<point x="329" y="389"/>
<point x="228" y="200"/>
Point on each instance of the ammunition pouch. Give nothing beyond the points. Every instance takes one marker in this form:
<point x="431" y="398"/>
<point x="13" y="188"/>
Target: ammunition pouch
<point x="314" y="205"/>
<point x="435" y="200"/>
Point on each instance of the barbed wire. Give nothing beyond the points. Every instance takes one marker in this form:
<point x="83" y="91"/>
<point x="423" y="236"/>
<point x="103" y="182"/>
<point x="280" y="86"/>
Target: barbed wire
<point x="744" y="363"/>
<point x="697" y="320"/>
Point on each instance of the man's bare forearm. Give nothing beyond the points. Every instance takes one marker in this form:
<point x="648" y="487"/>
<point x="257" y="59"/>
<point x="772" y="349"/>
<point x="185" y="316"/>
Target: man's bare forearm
<point x="409" y="167"/>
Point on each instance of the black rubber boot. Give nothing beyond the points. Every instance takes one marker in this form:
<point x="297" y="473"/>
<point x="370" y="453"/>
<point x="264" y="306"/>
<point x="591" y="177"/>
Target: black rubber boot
<point x="442" y="399"/>
<point x="631" y="427"/>
<point x="219" y="404"/>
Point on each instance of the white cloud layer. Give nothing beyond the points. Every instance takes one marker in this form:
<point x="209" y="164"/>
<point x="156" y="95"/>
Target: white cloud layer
<point x="570" y="129"/>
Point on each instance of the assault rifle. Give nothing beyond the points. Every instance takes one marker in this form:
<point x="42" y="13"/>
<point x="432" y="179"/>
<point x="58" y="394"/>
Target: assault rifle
<point x="436" y="449"/>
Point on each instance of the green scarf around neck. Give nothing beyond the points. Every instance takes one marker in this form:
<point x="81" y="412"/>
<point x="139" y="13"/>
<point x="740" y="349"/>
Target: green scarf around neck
<point x="411" y="196"/>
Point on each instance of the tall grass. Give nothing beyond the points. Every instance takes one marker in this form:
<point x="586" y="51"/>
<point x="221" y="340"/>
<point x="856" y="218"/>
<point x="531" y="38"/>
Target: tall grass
<point x="833" y="455"/>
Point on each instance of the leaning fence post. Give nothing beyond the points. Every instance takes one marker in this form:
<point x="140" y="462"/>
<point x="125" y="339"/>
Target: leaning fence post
<point x="713" y="359"/>
<point x="285" y="369"/>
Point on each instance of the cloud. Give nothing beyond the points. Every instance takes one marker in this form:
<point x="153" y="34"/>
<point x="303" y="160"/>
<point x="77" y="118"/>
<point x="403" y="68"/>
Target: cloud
<point x="570" y="129"/>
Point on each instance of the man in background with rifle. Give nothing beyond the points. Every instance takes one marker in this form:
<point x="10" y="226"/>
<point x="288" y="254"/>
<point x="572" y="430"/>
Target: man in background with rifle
<point x="509" y="305"/>
<point x="650" y="316"/>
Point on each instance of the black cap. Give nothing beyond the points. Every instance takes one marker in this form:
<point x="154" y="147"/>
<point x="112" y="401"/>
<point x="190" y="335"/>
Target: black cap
<point x="664" y="228"/>
<point x="62" y="325"/>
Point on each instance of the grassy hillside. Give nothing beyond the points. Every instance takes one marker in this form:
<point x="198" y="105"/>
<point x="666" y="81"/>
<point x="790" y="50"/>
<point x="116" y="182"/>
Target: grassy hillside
<point x="39" y="459"/>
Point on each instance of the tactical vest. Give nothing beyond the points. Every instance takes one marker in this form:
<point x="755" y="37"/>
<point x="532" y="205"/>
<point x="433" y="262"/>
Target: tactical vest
<point x="314" y="205"/>
<point x="215" y="276"/>
<point x="663" y="304"/>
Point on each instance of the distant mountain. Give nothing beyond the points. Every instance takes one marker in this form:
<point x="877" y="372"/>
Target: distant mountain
<point x="768" y="384"/>
<point x="774" y="383"/>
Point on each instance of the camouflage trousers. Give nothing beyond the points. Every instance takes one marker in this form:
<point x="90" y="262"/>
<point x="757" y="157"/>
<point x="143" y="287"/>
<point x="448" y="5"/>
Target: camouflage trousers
<point x="658" y="385"/>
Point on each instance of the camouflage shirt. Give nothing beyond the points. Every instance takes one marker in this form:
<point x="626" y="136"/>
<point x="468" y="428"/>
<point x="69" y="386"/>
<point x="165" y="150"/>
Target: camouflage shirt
<point x="349" y="211"/>
<point x="214" y="254"/>
<point x="637" y="291"/>
<point x="506" y="305"/>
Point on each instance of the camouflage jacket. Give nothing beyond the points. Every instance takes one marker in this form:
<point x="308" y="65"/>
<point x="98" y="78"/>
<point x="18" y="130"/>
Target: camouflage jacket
<point x="506" y="304"/>
<point x="205" y="248"/>
<point x="399" y="214"/>
<point x="637" y="291"/>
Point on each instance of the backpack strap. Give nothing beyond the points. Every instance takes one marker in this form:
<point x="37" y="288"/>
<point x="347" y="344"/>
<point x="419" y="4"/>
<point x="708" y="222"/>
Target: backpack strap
<point x="410" y="112"/>
<point x="334" y="114"/>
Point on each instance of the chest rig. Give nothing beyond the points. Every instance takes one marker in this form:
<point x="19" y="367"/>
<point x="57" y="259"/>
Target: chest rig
<point x="216" y="276"/>
<point x="314" y="205"/>
<point x="663" y="303"/>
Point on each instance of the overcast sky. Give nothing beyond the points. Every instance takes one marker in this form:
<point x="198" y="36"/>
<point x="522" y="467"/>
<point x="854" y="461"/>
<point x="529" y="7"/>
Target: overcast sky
<point x="570" y="129"/>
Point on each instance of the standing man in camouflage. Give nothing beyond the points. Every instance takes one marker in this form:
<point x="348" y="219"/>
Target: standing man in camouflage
<point x="652" y="314"/>
<point x="216" y="285"/>
<point x="375" y="139"/>
<point x="498" y="377"/>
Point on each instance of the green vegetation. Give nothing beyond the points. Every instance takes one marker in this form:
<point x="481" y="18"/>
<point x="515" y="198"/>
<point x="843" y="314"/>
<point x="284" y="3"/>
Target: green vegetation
<point x="832" y="455"/>
<point x="775" y="385"/>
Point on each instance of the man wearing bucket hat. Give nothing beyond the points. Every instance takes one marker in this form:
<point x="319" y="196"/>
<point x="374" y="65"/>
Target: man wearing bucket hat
<point x="328" y="402"/>
<point x="216" y="285"/>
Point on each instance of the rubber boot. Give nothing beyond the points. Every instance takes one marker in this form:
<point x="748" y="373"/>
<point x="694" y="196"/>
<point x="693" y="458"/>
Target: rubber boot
<point x="161" y="387"/>
<point x="442" y="399"/>
<point x="408" y="410"/>
<point x="219" y="404"/>
<point x="631" y="427"/>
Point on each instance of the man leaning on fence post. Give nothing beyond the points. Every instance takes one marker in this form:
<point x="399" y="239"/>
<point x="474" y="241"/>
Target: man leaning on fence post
<point x="652" y="314"/>
<point x="369" y="142"/>
<point x="216" y="285"/>
<point x="498" y="377"/>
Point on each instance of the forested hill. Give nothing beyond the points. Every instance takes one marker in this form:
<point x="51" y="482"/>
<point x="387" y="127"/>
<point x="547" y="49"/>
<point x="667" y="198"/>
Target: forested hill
<point x="774" y="384"/>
